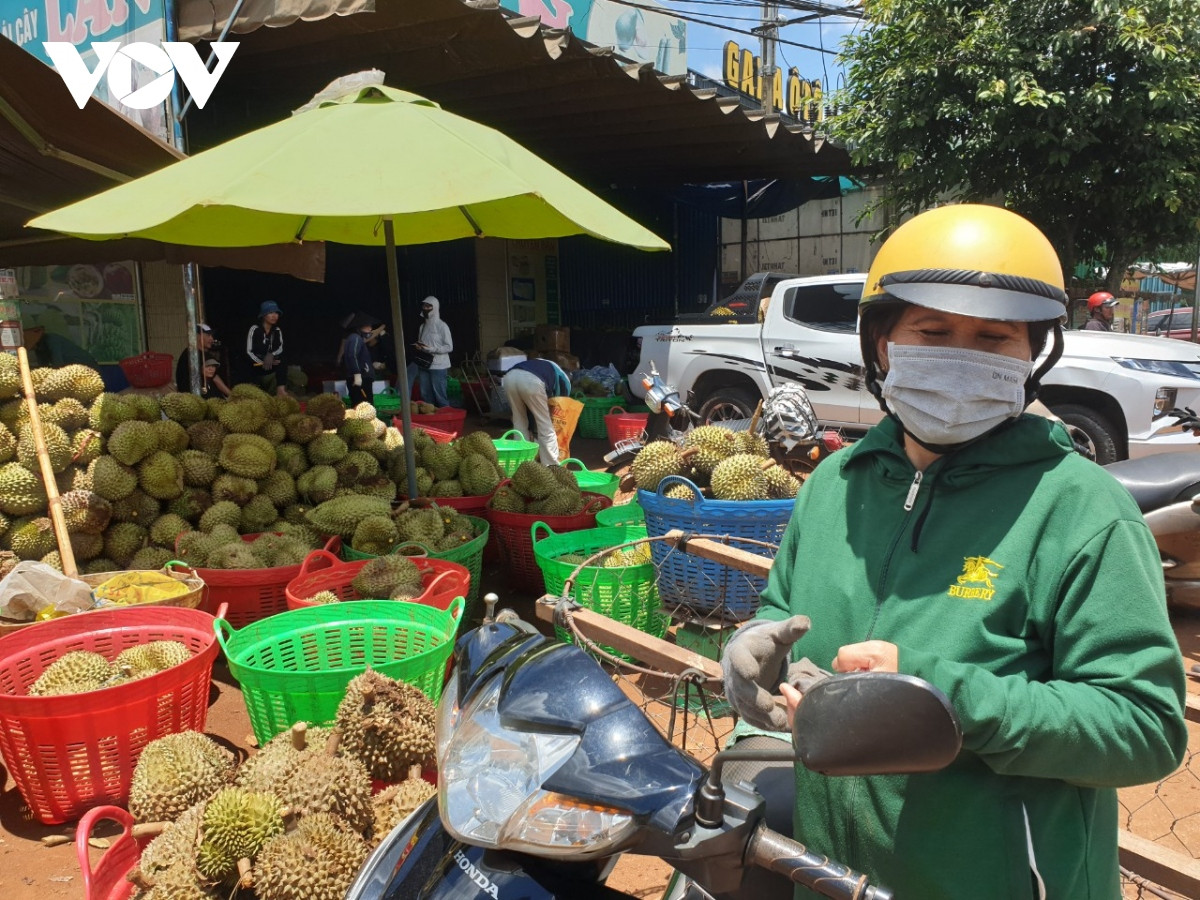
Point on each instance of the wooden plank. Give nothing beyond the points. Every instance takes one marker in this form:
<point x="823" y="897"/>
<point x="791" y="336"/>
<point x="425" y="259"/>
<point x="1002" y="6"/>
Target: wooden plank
<point x="734" y="557"/>
<point x="1164" y="867"/>
<point x="1191" y="709"/>
<point x="653" y="652"/>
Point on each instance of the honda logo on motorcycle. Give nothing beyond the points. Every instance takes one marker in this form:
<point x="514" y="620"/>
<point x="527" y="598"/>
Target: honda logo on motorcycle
<point x="167" y="60"/>
<point x="481" y="880"/>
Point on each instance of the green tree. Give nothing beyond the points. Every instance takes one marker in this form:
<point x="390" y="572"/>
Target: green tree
<point x="1082" y="115"/>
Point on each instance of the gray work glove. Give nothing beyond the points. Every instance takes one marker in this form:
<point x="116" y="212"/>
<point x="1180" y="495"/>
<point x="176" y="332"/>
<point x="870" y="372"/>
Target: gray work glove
<point x="754" y="664"/>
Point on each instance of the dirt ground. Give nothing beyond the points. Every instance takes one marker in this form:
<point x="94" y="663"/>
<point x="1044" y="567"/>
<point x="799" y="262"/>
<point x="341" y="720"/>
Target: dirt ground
<point x="1167" y="813"/>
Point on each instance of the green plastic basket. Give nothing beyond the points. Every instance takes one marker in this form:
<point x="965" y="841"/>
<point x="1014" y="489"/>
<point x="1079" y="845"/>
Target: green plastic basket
<point x="591" y="420"/>
<point x="294" y="666"/>
<point x="628" y="594"/>
<point x="469" y="555"/>
<point x="596" y="482"/>
<point x="454" y="391"/>
<point x="387" y="404"/>
<point x="626" y="514"/>
<point x="512" y="449"/>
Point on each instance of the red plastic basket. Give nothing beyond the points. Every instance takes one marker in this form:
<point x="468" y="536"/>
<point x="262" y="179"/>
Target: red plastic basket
<point x="149" y="369"/>
<point x="107" y="880"/>
<point x="468" y="506"/>
<point x="624" y="426"/>
<point x="511" y="533"/>
<point x="439" y="436"/>
<point x="447" y="418"/>
<point x="251" y="594"/>
<point x="323" y="571"/>
<point x="71" y="752"/>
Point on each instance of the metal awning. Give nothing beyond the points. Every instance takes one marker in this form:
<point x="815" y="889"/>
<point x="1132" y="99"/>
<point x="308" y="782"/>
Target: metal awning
<point x="52" y="153"/>
<point x="589" y="112"/>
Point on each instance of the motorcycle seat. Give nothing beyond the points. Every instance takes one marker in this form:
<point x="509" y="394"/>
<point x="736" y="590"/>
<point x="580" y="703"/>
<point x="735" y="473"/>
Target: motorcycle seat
<point x="1160" y="480"/>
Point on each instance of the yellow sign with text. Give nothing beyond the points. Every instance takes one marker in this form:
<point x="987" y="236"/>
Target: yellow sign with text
<point x="801" y="99"/>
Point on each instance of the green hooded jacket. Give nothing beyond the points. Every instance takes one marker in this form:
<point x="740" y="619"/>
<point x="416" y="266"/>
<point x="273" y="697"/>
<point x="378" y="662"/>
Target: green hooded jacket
<point x="1021" y="579"/>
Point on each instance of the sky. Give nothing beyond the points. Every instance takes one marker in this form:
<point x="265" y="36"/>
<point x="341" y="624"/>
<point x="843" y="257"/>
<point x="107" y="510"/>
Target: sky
<point x="727" y="18"/>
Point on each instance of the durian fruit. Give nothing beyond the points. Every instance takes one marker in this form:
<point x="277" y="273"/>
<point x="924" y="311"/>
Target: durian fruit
<point x="291" y="458"/>
<point x="324" y="597"/>
<point x="223" y="512"/>
<point x="328" y="408"/>
<point x="86" y="445"/>
<point x="273" y="432"/>
<point x="184" y="408"/>
<point x="174" y="773"/>
<point x="376" y="535"/>
<point x="175" y="844"/>
<point x="341" y="515"/>
<point x="317" y="861"/>
<point x="193" y="548"/>
<point x="86" y="546"/>
<point x="424" y="526"/>
<point x="235" y="488"/>
<point x="533" y="480"/>
<point x="396" y="803"/>
<point x="386" y="577"/>
<point x="242" y="416"/>
<point x="150" y="558"/>
<point x="752" y="442"/>
<point x="8" y="444"/>
<point x="781" y="484"/>
<point x="301" y="428"/>
<point x="199" y="469"/>
<point x="654" y="462"/>
<point x="249" y="391"/>
<point x="72" y="673"/>
<point x="31" y="537"/>
<point x="21" y="492"/>
<point x="271" y="768"/>
<point x="279" y="487"/>
<point x="247" y="455"/>
<point x="478" y="475"/>
<point x="448" y="488"/>
<point x="53" y="559"/>
<point x="68" y="414"/>
<point x="110" y="410"/>
<point x="712" y="444"/>
<point x="166" y="529"/>
<point x="239" y="822"/>
<point x="85" y="511"/>
<point x="161" y="476"/>
<point x="138" y="507"/>
<point x="181" y="881"/>
<point x="356" y="432"/>
<point x="326" y="449"/>
<point x="740" y="477"/>
<point x="257" y="514"/>
<point x="152" y="656"/>
<point x="507" y="499"/>
<point x="207" y="436"/>
<point x="75" y="381"/>
<point x="680" y="492"/>
<point x="331" y="783"/>
<point x="233" y="555"/>
<point x="387" y="724"/>
<point x="10" y="377"/>
<point x="318" y="484"/>
<point x="131" y="442"/>
<point x="191" y="504"/>
<point x="442" y="461"/>
<point x="97" y="565"/>
<point x="172" y="437"/>
<point x="123" y="540"/>
<point x="110" y="479"/>
<point x="478" y="442"/>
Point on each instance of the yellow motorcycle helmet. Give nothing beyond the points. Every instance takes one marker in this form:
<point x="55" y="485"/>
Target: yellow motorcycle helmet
<point x="974" y="260"/>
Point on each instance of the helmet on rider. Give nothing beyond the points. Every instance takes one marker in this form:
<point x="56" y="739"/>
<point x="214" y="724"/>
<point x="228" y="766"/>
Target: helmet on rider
<point x="984" y="262"/>
<point x="1101" y="299"/>
<point x="980" y="261"/>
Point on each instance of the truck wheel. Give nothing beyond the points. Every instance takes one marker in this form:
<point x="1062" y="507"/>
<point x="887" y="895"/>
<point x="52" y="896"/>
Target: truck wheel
<point x="1099" y="431"/>
<point x="728" y="403"/>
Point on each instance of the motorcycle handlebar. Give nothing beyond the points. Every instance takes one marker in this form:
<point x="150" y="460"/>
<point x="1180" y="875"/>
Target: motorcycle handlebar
<point x="791" y="859"/>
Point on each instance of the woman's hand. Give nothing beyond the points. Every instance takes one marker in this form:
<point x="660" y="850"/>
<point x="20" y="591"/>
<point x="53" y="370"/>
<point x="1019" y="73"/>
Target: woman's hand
<point x="793" y="698"/>
<point x="870" y="656"/>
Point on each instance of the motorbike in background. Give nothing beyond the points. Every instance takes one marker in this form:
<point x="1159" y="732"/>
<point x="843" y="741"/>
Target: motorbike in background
<point x="541" y="789"/>
<point x="1166" y="488"/>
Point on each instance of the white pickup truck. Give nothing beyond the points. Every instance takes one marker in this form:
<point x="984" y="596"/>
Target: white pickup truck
<point x="774" y="329"/>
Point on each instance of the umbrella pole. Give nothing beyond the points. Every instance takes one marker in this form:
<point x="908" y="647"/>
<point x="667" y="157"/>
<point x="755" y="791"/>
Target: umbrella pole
<point x="410" y="463"/>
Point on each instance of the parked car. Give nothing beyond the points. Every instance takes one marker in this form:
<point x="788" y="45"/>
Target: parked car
<point x="1173" y="323"/>
<point x="1114" y="387"/>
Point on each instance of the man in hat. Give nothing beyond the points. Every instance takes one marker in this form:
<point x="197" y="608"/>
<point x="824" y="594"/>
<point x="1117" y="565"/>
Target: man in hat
<point x="264" y="347"/>
<point x="356" y="357"/>
<point x="205" y="344"/>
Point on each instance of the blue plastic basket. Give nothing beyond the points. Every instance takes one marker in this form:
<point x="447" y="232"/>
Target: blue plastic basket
<point x="703" y="586"/>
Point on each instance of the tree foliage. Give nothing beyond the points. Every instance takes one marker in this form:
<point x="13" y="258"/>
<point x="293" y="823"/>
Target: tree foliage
<point x="1082" y="115"/>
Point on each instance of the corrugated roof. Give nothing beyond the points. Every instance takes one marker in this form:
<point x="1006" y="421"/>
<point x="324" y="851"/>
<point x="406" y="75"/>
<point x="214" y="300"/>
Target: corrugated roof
<point x="581" y="107"/>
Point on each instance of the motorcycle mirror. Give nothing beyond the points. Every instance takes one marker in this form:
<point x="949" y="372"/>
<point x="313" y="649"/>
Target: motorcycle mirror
<point x="875" y="723"/>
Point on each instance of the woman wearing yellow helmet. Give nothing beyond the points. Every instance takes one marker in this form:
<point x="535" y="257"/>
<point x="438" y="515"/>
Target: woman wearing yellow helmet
<point x="965" y="542"/>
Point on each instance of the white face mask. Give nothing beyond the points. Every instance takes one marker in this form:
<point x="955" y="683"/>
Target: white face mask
<point x="948" y="395"/>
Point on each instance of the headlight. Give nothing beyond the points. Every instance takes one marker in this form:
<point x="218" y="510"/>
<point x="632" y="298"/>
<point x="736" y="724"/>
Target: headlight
<point x="1170" y="367"/>
<point x="1164" y="400"/>
<point x="490" y="785"/>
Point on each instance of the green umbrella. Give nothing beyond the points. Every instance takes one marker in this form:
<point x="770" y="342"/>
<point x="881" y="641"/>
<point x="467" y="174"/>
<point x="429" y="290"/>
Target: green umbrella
<point x="377" y="166"/>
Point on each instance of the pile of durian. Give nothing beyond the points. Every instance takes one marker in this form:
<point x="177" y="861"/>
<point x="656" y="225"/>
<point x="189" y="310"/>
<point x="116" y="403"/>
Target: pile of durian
<point x="637" y="555"/>
<point x="540" y="490"/>
<point x="145" y="480"/>
<point x="726" y="465"/>
<point x="390" y="577"/>
<point x="81" y="671"/>
<point x="466" y="467"/>
<point x="295" y="821"/>
<point x="435" y="528"/>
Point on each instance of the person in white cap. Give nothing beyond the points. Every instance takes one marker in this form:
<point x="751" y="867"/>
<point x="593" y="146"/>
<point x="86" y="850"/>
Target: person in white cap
<point x="431" y="361"/>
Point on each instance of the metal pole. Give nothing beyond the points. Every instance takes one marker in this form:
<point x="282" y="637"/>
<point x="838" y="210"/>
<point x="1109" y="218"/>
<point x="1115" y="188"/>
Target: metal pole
<point x="1195" y="299"/>
<point x="770" y="33"/>
<point x="191" y="295"/>
<point x="410" y="459"/>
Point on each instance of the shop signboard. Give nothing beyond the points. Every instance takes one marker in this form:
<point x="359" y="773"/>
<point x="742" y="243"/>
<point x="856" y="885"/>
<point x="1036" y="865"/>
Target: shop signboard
<point x="94" y="306"/>
<point x="642" y="32"/>
<point x="32" y="23"/>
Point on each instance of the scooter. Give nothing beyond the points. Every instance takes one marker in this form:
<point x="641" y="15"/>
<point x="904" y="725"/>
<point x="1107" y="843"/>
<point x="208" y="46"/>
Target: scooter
<point x="1166" y="488"/>
<point x="547" y="772"/>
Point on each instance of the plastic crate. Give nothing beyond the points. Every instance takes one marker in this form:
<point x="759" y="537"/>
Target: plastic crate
<point x="511" y="536"/>
<point x="322" y="571"/>
<point x="627" y="594"/>
<point x="704" y="586"/>
<point x="591" y="420"/>
<point x="149" y="369"/>
<point x="251" y="594"/>
<point x="386" y="403"/>
<point x="620" y="425"/>
<point x="71" y="752"/>
<point x="623" y="514"/>
<point x="512" y="449"/>
<point x="294" y="666"/>
<point x="597" y="482"/>
<point x="445" y="419"/>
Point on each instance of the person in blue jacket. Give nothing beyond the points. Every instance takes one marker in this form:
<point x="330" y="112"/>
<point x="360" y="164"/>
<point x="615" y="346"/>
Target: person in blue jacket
<point x="356" y="361"/>
<point x="528" y="385"/>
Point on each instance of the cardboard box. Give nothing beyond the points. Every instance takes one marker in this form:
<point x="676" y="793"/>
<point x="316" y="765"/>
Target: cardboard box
<point x="502" y="359"/>
<point x="339" y="387"/>
<point x="566" y="361"/>
<point x="552" y="337"/>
